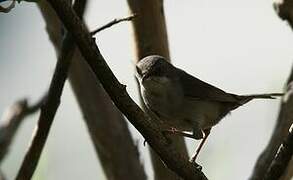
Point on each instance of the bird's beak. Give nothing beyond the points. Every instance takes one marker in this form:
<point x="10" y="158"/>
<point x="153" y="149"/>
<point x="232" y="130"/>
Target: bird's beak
<point x="144" y="77"/>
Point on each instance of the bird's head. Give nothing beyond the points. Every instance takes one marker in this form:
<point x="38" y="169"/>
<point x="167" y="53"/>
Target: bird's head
<point x="153" y="67"/>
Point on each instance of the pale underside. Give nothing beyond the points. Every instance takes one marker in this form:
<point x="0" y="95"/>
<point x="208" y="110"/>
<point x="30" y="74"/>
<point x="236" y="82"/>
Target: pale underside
<point x="168" y="102"/>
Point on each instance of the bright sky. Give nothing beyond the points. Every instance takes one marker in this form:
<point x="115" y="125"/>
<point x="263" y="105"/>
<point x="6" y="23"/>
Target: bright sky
<point x="240" y="46"/>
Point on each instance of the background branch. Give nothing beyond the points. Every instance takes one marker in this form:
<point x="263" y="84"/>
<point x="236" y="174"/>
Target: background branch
<point x="119" y="96"/>
<point x="12" y="120"/>
<point x="150" y="35"/>
<point x="107" y="127"/>
<point x="48" y="110"/>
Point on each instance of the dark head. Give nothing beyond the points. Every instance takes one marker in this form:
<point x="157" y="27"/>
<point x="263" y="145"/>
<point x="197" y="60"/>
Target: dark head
<point x="153" y="66"/>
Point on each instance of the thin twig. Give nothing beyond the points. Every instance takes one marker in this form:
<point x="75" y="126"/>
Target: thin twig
<point x="173" y="159"/>
<point x="12" y="119"/>
<point x="8" y="8"/>
<point x="113" y="22"/>
<point x="282" y="159"/>
<point x="50" y="106"/>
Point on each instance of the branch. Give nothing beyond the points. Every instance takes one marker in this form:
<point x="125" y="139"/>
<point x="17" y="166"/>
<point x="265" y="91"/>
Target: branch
<point x="48" y="110"/>
<point x="100" y="114"/>
<point x="280" y="132"/>
<point x="12" y="119"/>
<point x="285" y="11"/>
<point x="282" y="159"/>
<point x="151" y="37"/>
<point x="119" y="96"/>
<point x="113" y="22"/>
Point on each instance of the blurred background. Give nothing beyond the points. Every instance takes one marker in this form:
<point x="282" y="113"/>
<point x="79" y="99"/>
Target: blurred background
<point x="240" y="46"/>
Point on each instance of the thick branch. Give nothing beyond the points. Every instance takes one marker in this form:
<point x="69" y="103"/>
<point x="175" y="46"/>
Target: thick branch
<point x="282" y="159"/>
<point x="280" y="132"/>
<point x="15" y="115"/>
<point x="151" y="38"/>
<point x="107" y="127"/>
<point x="285" y="11"/>
<point x="119" y="96"/>
<point x="48" y="110"/>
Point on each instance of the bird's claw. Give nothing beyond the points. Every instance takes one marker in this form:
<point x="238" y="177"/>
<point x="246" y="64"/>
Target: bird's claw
<point x="197" y="166"/>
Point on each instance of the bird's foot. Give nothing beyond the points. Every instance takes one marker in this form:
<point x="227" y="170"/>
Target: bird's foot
<point x="197" y="166"/>
<point x="197" y="134"/>
<point x="174" y="131"/>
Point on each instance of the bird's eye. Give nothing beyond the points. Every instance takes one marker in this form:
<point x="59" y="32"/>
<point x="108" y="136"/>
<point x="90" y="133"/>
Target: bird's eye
<point x="138" y="70"/>
<point x="158" y="71"/>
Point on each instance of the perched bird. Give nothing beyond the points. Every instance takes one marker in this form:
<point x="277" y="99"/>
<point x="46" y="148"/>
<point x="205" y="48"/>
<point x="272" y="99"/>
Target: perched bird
<point x="184" y="103"/>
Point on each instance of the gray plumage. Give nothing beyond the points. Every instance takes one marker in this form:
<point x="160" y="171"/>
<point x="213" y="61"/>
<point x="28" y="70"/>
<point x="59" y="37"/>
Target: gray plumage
<point x="182" y="101"/>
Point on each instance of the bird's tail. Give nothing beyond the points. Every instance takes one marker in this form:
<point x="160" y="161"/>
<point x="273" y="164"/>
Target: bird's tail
<point x="246" y="98"/>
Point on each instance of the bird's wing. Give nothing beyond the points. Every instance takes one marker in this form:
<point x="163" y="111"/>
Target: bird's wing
<point x="196" y="89"/>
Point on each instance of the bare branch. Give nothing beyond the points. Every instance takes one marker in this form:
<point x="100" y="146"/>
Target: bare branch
<point x="12" y="120"/>
<point x="48" y="110"/>
<point x="151" y="37"/>
<point x="120" y="97"/>
<point x="113" y="22"/>
<point x="282" y="159"/>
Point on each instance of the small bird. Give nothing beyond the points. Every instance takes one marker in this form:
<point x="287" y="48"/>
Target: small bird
<point x="184" y="103"/>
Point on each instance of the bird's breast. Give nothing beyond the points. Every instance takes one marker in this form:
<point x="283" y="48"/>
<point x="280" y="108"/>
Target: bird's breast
<point x="168" y="102"/>
<point x="162" y="96"/>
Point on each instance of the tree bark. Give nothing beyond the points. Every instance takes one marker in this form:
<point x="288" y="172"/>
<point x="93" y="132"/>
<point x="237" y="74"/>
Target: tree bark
<point x="150" y="35"/>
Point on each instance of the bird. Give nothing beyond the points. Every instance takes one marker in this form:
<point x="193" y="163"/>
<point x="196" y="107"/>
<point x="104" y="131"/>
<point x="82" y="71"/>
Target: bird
<point x="184" y="104"/>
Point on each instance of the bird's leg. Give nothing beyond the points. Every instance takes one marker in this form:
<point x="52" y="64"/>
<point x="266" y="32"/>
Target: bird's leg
<point x="178" y="132"/>
<point x="197" y="132"/>
<point x="206" y="134"/>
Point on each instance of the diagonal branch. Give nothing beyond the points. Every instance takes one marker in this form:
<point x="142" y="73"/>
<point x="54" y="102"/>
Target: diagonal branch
<point x="15" y="115"/>
<point x="48" y="110"/>
<point x="280" y="132"/>
<point x="119" y="96"/>
<point x="285" y="12"/>
<point x="150" y="34"/>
